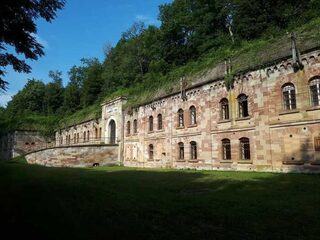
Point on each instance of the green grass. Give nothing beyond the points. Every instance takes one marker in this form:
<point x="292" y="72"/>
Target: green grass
<point x="123" y="203"/>
<point x="85" y="114"/>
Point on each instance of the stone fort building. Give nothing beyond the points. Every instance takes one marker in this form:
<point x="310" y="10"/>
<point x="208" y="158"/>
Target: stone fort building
<point x="269" y="120"/>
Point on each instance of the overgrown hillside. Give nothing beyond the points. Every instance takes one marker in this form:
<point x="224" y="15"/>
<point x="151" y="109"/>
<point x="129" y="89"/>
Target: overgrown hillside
<point x="194" y="39"/>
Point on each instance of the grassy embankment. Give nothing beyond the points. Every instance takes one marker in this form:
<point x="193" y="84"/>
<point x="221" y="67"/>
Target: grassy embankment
<point x="245" y="55"/>
<point x="123" y="203"/>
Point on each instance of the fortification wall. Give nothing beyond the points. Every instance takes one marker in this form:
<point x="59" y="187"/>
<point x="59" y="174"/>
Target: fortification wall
<point x="75" y="156"/>
<point x="280" y="130"/>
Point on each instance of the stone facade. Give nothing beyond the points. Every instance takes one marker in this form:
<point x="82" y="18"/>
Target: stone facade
<point x="75" y="156"/>
<point x="89" y="132"/>
<point x="268" y="121"/>
<point x="273" y="138"/>
<point x="20" y="142"/>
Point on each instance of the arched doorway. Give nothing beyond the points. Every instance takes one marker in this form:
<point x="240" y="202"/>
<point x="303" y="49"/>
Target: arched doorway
<point x="112" y="132"/>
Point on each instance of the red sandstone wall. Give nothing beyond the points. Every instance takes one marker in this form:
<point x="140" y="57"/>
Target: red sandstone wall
<point x="75" y="156"/>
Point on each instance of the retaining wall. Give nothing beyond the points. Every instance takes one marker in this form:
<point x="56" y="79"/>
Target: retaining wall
<point x="75" y="156"/>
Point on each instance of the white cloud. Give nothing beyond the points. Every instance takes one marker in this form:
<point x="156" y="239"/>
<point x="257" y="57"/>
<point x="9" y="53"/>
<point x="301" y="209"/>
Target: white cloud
<point x="147" y="20"/>
<point x="40" y="40"/>
<point x="5" y="98"/>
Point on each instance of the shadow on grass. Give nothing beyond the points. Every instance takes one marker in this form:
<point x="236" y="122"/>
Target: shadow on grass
<point x="116" y="202"/>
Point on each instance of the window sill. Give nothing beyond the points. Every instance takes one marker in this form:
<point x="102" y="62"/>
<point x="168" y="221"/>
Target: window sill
<point x="180" y="161"/>
<point x="293" y="162"/>
<point x="135" y="134"/>
<point x="150" y="132"/>
<point x="193" y="125"/>
<point x="160" y="130"/>
<point x="193" y="161"/>
<point x="245" y="161"/>
<point x="182" y="127"/>
<point x="289" y="112"/>
<point x="243" y="118"/>
<point x="150" y="160"/>
<point x="224" y="121"/>
<point x="315" y="108"/>
<point x="226" y="161"/>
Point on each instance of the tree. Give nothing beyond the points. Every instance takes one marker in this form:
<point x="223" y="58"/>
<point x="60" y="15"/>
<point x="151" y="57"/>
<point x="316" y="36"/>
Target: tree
<point x="18" y="29"/>
<point x="29" y="99"/>
<point x="92" y="83"/>
<point x="54" y="93"/>
<point x="72" y="92"/>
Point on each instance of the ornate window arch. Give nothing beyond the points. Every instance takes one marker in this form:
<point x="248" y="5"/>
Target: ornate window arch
<point x="224" y="109"/>
<point x="289" y="96"/>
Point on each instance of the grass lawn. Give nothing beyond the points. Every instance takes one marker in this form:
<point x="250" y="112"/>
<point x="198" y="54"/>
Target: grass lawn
<point x="123" y="203"/>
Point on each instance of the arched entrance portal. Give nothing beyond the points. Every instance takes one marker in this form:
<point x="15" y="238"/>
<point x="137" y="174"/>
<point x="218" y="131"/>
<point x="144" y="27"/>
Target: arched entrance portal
<point x="112" y="132"/>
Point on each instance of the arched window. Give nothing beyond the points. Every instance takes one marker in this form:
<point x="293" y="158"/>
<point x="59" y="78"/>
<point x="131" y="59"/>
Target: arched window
<point x="181" y="151"/>
<point x="88" y="136"/>
<point x="224" y="109"/>
<point x="193" y="115"/>
<point x="150" y="124"/>
<point x="159" y="121"/>
<point x="78" y="137"/>
<point x="84" y="136"/>
<point x="135" y="126"/>
<point x="289" y="96"/>
<point x="74" y="138"/>
<point x="315" y="91"/>
<point x="226" y="149"/>
<point x="244" y="149"/>
<point x="96" y="133"/>
<point x="128" y="128"/>
<point x="193" y="148"/>
<point x="151" y="152"/>
<point x="180" y="118"/>
<point x="243" y="106"/>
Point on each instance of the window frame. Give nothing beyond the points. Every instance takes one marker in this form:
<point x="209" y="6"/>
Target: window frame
<point x="159" y="118"/>
<point x="151" y="124"/>
<point x="245" y="152"/>
<point x="193" y="115"/>
<point x="243" y="106"/>
<point x="135" y="126"/>
<point x="128" y="127"/>
<point x="193" y="150"/>
<point x="289" y="100"/>
<point x="151" y="152"/>
<point x="180" y="118"/>
<point x="181" y="151"/>
<point x="224" y="109"/>
<point x="226" y="149"/>
<point x="314" y="85"/>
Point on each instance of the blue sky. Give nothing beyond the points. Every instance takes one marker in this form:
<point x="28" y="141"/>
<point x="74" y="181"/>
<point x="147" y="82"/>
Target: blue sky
<point x="81" y="30"/>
